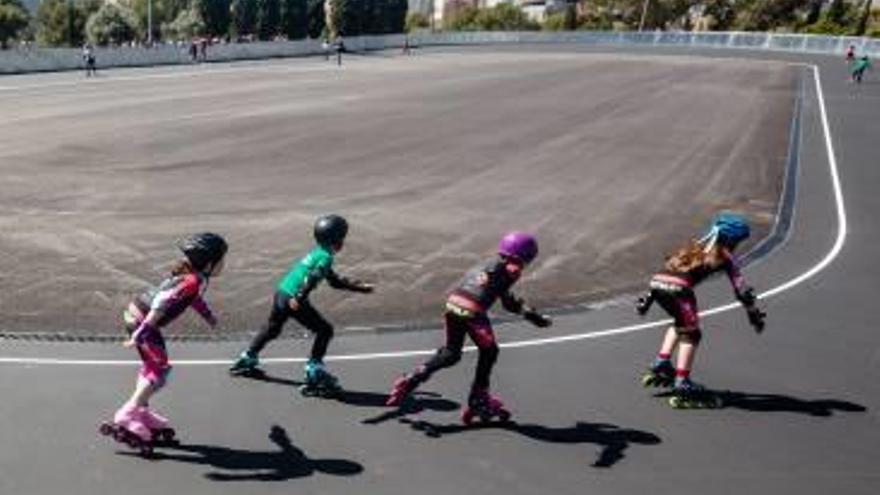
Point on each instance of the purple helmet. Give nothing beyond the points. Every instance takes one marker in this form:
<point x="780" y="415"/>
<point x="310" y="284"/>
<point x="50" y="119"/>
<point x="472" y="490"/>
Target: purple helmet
<point x="519" y="245"/>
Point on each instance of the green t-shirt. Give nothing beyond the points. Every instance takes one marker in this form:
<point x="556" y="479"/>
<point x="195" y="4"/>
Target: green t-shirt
<point x="861" y="64"/>
<point x="307" y="272"/>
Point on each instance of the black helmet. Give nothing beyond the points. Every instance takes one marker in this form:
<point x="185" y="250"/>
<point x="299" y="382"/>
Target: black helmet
<point x="203" y="249"/>
<point x="330" y="230"/>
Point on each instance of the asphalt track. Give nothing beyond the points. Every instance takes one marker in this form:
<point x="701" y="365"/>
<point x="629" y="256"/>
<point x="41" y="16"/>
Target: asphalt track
<point x="802" y="417"/>
<point x="430" y="158"/>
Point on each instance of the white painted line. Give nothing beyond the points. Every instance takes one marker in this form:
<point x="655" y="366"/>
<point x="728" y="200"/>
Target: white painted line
<point x="818" y="267"/>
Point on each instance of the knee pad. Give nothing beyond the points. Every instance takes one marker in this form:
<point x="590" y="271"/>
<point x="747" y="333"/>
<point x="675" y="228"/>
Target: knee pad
<point x="158" y="378"/>
<point x="690" y="336"/>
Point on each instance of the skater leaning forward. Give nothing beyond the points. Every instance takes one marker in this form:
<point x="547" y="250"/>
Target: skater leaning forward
<point x="673" y="289"/>
<point x="466" y="314"/>
<point x="291" y="300"/>
<point x="134" y="423"/>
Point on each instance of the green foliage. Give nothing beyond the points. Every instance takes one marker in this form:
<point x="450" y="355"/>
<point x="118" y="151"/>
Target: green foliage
<point x="164" y="12"/>
<point x="112" y="23"/>
<point x="722" y="14"/>
<point x="828" y="27"/>
<point x="416" y="21"/>
<point x="216" y="15"/>
<point x="563" y="20"/>
<point x="13" y="19"/>
<point x="244" y="17"/>
<point x="186" y="26"/>
<point x="766" y="15"/>
<point x="268" y="19"/>
<point x="294" y="20"/>
<point x="555" y="22"/>
<point x="396" y="16"/>
<point x="366" y="17"/>
<point x="346" y="17"/>
<point x="316" y="18"/>
<point x="61" y="22"/>
<point x="502" y="17"/>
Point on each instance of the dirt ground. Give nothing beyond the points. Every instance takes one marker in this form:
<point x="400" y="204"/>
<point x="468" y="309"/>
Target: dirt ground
<point x="611" y="160"/>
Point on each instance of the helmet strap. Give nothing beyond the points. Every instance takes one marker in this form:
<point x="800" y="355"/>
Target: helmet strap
<point x="710" y="239"/>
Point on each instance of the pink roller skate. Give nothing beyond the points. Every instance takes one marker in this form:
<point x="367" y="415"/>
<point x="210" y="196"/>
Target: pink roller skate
<point x="403" y="386"/>
<point x="161" y="431"/>
<point x="128" y="428"/>
<point x="485" y="406"/>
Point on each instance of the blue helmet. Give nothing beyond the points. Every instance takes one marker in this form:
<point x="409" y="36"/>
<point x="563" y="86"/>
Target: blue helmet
<point x="728" y="229"/>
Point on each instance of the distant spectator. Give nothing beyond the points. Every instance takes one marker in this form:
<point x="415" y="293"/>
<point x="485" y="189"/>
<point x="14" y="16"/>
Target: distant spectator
<point x="88" y="57"/>
<point x="851" y="54"/>
<point x="193" y="51"/>
<point x="203" y="49"/>
<point x="325" y="46"/>
<point x="340" y="48"/>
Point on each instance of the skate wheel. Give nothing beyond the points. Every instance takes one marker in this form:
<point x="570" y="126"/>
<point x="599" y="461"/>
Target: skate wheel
<point x="105" y="429"/>
<point x="677" y="402"/>
<point x="467" y="417"/>
<point x="131" y="440"/>
<point x="146" y="450"/>
<point x="504" y="415"/>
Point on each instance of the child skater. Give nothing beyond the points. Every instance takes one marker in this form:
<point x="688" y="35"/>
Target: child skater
<point x="466" y="314"/>
<point x="291" y="300"/>
<point x="134" y="423"/>
<point x="673" y="288"/>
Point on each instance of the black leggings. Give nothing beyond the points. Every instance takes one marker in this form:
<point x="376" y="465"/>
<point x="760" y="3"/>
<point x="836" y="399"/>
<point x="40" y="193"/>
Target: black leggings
<point x="480" y="331"/>
<point x="306" y="316"/>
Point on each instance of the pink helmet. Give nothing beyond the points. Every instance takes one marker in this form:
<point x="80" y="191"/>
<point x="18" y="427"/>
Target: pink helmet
<point x="520" y="245"/>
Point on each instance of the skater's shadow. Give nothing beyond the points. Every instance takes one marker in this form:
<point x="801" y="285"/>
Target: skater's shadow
<point x="417" y="402"/>
<point x="612" y="440"/>
<point x="285" y="463"/>
<point x="420" y="401"/>
<point x="783" y="403"/>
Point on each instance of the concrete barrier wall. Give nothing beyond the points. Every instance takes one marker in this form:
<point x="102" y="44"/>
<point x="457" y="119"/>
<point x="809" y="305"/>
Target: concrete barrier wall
<point x="57" y="59"/>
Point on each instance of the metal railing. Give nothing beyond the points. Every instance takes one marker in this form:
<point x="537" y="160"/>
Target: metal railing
<point x="22" y="60"/>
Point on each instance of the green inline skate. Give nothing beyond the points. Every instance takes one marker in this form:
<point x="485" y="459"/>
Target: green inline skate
<point x="319" y="382"/>
<point x="247" y="364"/>
<point x="661" y="374"/>
<point x="689" y="395"/>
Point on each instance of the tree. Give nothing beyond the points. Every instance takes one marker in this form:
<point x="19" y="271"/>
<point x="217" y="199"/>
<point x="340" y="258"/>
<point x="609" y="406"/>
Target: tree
<point x="396" y="15"/>
<point x="186" y="26"/>
<point x="722" y="13"/>
<point x="112" y="23"/>
<point x="63" y="22"/>
<point x="316" y="18"/>
<point x="164" y="11"/>
<point x="416" y="21"/>
<point x="346" y="17"/>
<point x="244" y="17"/>
<point x="215" y="14"/>
<point x="268" y="19"/>
<point x="13" y="19"/>
<point x="814" y="10"/>
<point x="767" y="15"/>
<point x="864" y="17"/>
<point x="836" y="12"/>
<point x="294" y="20"/>
<point x="502" y="17"/>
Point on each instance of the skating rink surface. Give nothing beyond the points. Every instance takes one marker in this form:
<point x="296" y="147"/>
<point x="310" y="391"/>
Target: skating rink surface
<point x="610" y="160"/>
<point x="803" y="397"/>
